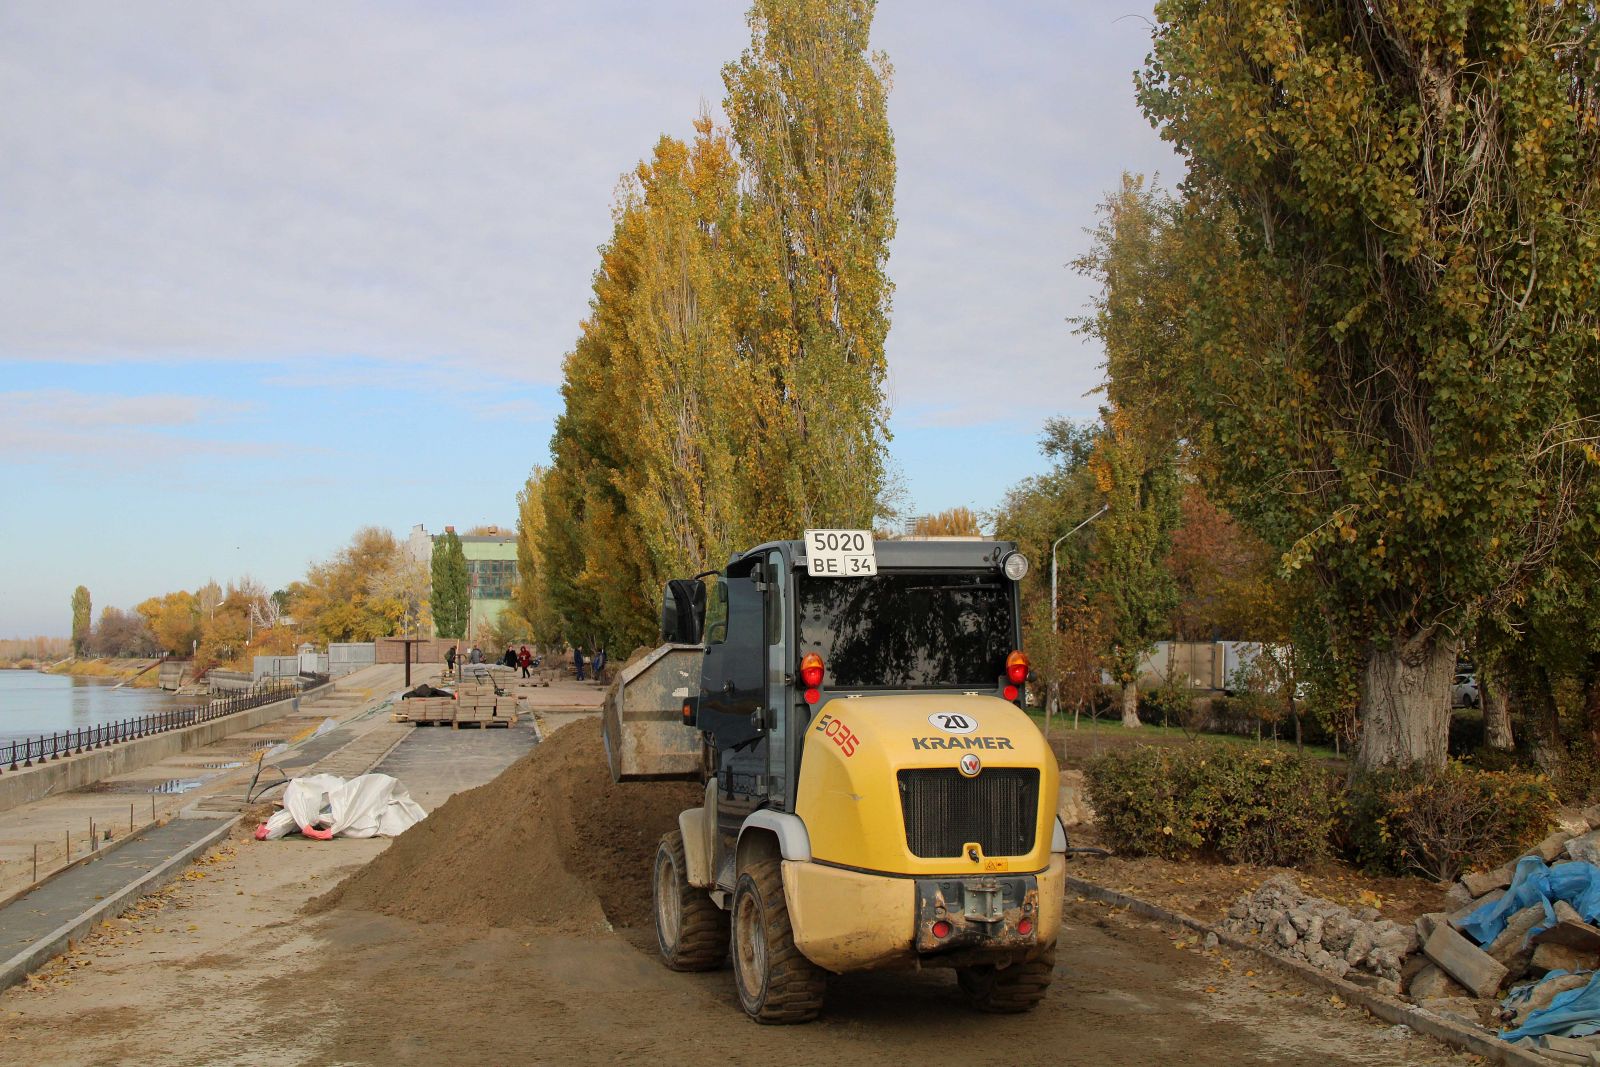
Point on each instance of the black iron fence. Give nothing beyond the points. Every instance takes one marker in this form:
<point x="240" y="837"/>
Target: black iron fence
<point x="16" y="755"/>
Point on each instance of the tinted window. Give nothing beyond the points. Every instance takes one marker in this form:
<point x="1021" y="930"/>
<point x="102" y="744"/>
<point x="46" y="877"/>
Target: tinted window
<point x="907" y="631"/>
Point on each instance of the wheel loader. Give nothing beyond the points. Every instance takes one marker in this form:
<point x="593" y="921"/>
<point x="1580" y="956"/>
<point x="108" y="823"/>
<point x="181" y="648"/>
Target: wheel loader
<point x="875" y="795"/>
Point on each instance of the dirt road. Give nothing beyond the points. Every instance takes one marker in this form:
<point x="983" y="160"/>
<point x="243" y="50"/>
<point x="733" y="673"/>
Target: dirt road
<point x="225" y="967"/>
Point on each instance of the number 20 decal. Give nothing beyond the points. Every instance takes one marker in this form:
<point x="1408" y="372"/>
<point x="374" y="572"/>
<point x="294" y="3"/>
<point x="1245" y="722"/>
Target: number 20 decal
<point x="952" y="723"/>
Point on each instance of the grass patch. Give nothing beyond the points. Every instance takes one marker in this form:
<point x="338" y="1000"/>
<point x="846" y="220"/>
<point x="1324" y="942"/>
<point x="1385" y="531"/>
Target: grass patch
<point x="1061" y="727"/>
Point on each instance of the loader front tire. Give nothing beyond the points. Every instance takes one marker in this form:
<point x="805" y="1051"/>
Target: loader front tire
<point x="1008" y="990"/>
<point x="691" y="931"/>
<point x="776" y="982"/>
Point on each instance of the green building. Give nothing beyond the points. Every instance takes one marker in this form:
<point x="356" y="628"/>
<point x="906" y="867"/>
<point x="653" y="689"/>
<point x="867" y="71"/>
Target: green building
<point x="491" y="571"/>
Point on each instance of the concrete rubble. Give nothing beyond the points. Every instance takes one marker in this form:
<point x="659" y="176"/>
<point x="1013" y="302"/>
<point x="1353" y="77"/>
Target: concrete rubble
<point x="1329" y="936"/>
<point x="1434" y="961"/>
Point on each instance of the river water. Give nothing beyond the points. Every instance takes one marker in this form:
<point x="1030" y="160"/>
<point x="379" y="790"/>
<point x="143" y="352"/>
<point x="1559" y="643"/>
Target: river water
<point x="32" y="703"/>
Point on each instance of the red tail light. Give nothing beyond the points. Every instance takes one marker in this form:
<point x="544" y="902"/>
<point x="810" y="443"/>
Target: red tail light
<point x="811" y="670"/>
<point x="1017" y="667"/>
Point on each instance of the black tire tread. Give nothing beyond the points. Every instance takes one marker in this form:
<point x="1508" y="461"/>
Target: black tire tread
<point x="1009" y="990"/>
<point x="703" y="928"/>
<point x="796" y="987"/>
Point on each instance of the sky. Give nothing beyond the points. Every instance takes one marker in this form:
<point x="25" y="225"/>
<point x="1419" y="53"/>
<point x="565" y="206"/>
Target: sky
<point x="271" y="273"/>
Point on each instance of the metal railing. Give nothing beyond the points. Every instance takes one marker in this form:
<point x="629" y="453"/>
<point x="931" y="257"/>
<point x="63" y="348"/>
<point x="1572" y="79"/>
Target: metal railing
<point x="17" y="755"/>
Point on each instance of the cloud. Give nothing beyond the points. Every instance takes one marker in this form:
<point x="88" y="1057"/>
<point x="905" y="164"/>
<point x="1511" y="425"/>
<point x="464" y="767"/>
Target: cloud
<point x="415" y="184"/>
<point x="51" y="427"/>
<point x="425" y="185"/>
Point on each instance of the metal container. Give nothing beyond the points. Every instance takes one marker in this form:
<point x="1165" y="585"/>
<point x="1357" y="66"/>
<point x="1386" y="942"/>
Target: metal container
<point x="642" y="720"/>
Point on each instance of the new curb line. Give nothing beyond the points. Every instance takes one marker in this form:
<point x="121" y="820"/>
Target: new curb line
<point x="54" y="943"/>
<point x="1384" y="1007"/>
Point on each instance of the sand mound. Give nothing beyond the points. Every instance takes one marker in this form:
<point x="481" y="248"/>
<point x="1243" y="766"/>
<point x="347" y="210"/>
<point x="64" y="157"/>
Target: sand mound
<point x="552" y="842"/>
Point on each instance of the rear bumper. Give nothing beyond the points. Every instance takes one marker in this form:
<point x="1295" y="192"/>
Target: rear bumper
<point x="852" y="921"/>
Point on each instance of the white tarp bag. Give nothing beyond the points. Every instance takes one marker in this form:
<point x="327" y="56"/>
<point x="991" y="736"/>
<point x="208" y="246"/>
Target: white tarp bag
<point x="325" y="806"/>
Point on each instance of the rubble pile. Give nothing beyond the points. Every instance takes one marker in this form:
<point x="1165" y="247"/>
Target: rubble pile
<point x="1528" y="932"/>
<point x="1329" y="936"/>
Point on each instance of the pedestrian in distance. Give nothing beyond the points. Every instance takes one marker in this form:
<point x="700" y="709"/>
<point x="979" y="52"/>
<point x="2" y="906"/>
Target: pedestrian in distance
<point x="510" y="658"/>
<point x="577" y="661"/>
<point x="524" y="660"/>
<point x="476" y="655"/>
<point x="450" y="660"/>
<point x="600" y="664"/>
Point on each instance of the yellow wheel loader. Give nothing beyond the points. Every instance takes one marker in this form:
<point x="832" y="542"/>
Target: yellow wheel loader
<point x="875" y="796"/>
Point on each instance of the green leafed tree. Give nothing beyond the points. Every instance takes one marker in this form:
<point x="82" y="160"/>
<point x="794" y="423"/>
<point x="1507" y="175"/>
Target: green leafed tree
<point x="82" y="619"/>
<point x="449" y="599"/>
<point x="1129" y="576"/>
<point x="1393" y="334"/>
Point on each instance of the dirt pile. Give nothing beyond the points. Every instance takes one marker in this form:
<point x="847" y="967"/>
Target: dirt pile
<point x="552" y="843"/>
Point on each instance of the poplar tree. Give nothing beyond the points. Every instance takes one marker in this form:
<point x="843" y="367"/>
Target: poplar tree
<point x="1129" y="576"/>
<point x="450" y="593"/>
<point x="82" y="619"/>
<point x="530" y="597"/>
<point x="1395" y="324"/>
<point x="727" y="384"/>
<point x="809" y="290"/>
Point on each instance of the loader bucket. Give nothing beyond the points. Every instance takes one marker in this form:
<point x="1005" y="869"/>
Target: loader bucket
<point x="642" y="720"/>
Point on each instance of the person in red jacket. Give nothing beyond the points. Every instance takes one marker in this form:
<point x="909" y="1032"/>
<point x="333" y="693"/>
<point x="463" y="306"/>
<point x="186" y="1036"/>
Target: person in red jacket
<point x="524" y="660"/>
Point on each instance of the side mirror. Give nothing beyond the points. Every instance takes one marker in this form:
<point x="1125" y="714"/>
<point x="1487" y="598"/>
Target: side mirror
<point x="683" y="612"/>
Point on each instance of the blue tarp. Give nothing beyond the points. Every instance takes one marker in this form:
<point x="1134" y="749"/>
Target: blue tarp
<point x="1575" y="1013"/>
<point x="1534" y="883"/>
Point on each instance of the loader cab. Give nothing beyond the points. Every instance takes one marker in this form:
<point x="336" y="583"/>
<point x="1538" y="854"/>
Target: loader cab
<point x="931" y="615"/>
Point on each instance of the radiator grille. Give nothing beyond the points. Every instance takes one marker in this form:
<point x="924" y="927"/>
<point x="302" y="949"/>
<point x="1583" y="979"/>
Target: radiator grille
<point x="943" y="810"/>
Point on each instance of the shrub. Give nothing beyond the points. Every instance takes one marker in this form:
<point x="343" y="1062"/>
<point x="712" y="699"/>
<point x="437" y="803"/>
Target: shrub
<point x="1241" y="805"/>
<point x="1169" y="704"/>
<point x="1439" y="823"/>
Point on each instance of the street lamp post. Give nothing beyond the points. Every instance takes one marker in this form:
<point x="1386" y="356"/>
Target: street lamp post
<point x="1055" y="619"/>
<point x="1055" y="622"/>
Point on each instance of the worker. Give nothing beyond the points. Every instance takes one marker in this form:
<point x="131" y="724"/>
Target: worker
<point x="599" y="664"/>
<point x="524" y="660"/>
<point x="577" y="661"/>
<point x="450" y="660"/>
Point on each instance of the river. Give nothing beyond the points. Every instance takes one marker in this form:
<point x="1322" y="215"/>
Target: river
<point x="32" y="703"/>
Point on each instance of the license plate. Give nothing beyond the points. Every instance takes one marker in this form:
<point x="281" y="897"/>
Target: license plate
<point x="841" y="554"/>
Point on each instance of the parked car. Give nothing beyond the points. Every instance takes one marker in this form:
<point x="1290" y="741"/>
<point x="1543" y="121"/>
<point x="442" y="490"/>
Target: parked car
<point x="1464" y="693"/>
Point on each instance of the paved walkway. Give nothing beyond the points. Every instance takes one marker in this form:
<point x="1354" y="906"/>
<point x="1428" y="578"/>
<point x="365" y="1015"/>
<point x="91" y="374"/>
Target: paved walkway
<point x="61" y="905"/>
<point x="434" y="764"/>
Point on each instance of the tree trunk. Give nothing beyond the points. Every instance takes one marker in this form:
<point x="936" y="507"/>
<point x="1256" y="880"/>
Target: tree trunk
<point x="1591" y="704"/>
<point x="1130" y="705"/>
<point x="1496" y="715"/>
<point x="1405" y="706"/>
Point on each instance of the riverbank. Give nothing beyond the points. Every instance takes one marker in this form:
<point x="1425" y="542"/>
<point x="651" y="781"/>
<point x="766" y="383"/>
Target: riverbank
<point x="138" y="673"/>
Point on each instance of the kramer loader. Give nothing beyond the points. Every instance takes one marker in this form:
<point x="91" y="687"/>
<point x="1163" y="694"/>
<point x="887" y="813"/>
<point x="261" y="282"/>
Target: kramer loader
<point x="875" y="796"/>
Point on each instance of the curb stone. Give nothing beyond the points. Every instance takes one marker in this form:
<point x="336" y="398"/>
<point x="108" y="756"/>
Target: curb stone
<point x="1389" y="1009"/>
<point x="54" y="943"/>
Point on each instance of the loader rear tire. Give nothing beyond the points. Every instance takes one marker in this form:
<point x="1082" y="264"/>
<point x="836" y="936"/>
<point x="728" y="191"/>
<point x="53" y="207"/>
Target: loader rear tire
<point x="1008" y="990"/>
<point x="691" y="931"/>
<point x="776" y="983"/>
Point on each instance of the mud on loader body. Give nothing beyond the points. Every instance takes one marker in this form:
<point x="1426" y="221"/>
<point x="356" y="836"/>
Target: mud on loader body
<point x="874" y="795"/>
